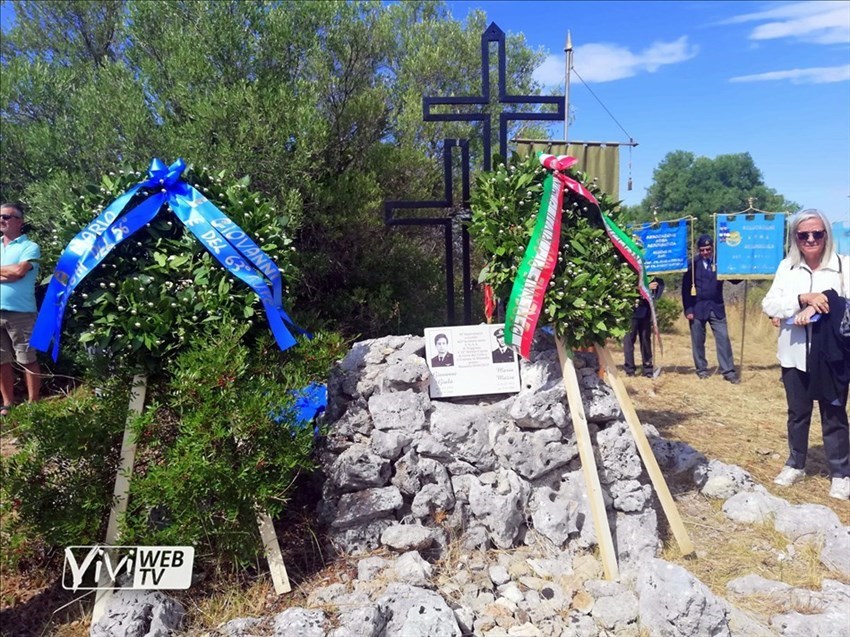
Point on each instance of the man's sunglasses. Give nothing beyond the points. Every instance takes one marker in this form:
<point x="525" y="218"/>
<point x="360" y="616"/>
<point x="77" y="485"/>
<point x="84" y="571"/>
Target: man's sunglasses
<point x="7" y="217"/>
<point x="817" y="235"/>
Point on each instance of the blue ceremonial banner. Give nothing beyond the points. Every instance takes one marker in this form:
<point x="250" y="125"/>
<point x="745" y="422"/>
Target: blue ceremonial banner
<point x="841" y="232"/>
<point x="749" y="245"/>
<point x="228" y="243"/>
<point x="665" y="245"/>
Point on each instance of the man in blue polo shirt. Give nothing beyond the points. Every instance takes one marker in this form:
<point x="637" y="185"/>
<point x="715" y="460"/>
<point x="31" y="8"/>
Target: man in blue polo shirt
<point x="18" y="271"/>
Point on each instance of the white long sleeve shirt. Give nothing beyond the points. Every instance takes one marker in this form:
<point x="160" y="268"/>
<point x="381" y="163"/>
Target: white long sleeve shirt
<point x="781" y="302"/>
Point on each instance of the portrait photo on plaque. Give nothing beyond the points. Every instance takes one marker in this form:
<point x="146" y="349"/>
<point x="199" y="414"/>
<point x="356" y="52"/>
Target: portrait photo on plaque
<point x="443" y="356"/>
<point x="470" y="360"/>
<point x="501" y="352"/>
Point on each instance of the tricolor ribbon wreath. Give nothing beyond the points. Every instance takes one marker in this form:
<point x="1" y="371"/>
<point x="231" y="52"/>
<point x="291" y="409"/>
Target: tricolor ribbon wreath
<point x="541" y="255"/>
<point x="228" y="243"/>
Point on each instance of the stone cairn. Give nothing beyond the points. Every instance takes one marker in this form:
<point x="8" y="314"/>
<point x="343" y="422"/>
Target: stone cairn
<point x="492" y="471"/>
<point x="469" y="517"/>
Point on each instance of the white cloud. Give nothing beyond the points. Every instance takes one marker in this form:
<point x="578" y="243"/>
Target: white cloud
<point x="815" y="75"/>
<point x="607" y="62"/>
<point x="821" y="22"/>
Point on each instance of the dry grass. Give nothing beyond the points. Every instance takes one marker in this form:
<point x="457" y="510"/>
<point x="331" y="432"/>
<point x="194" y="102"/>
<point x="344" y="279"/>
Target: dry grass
<point x="742" y="425"/>
<point x="737" y="424"/>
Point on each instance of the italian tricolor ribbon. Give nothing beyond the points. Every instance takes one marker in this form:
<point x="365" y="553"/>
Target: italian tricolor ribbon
<point x="538" y="262"/>
<point x="541" y="255"/>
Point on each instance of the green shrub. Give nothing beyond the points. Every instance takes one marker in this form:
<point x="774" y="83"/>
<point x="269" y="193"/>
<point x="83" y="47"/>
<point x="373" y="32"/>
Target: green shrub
<point x="209" y="452"/>
<point x="592" y="291"/>
<point x="60" y="481"/>
<point x="667" y="311"/>
<point x="213" y="453"/>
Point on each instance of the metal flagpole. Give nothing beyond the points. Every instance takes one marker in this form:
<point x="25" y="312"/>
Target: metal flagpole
<point x="568" y="50"/>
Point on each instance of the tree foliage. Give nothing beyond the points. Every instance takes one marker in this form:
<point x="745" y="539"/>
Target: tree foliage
<point x="686" y="185"/>
<point x="320" y="102"/>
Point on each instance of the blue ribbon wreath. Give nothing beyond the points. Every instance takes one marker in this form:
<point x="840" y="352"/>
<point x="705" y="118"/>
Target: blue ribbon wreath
<point x="231" y="246"/>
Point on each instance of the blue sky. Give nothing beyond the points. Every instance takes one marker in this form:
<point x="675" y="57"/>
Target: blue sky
<point x="712" y="78"/>
<point x="768" y="78"/>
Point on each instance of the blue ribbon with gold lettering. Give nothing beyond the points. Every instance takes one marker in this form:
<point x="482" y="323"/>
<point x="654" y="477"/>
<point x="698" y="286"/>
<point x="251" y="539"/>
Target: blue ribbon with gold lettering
<point x="231" y="246"/>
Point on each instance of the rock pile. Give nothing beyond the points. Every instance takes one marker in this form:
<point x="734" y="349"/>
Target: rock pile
<point x="407" y="472"/>
<point x="418" y="489"/>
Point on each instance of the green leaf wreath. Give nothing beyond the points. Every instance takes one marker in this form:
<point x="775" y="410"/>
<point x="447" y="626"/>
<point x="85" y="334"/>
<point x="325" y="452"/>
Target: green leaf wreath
<point x="155" y="290"/>
<point x="592" y="292"/>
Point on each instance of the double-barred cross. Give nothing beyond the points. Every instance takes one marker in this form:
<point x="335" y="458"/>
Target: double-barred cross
<point x="492" y="34"/>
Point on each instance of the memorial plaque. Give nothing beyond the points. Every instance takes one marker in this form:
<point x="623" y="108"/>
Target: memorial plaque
<point x="470" y="360"/>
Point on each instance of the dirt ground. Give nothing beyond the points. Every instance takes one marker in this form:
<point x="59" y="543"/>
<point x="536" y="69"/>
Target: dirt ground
<point x="737" y="424"/>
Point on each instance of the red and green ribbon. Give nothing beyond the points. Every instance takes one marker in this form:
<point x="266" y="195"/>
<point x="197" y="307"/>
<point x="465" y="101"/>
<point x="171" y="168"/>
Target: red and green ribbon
<point x="634" y="256"/>
<point x="541" y="255"/>
<point x="538" y="262"/>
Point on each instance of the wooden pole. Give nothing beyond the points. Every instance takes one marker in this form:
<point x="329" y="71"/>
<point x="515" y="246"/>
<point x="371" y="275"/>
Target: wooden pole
<point x="121" y="493"/>
<point x="271" y="549"/>
<point x="273" y="554"/>
<point x="645" y="450"/>
<point x="743" y="330"/>
<point x="568" y="58"/>
<point x="588" y="464"/>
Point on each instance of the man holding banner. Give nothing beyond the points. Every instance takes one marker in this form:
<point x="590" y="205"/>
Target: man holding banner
<point x="641" y="330"/>
<point x="702" y="300"/>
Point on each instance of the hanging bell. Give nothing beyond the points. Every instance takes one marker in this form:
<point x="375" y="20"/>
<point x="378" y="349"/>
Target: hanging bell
<point x="629" y="184"/>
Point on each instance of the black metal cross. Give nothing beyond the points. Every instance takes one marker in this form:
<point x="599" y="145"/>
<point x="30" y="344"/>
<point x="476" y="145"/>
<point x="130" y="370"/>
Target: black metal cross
<point x="492" y="34"/>
<point x="447" y="222"/>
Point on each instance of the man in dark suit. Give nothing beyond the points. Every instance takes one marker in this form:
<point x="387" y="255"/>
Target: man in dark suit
<point x="444" y="357"/>
<point x="641" y="330"/>
<point x="503" y="353"/>
<point x="702" y="300"/>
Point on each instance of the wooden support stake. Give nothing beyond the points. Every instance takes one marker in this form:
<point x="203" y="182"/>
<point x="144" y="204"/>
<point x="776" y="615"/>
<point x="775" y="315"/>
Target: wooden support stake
<point x="271" y="549"/>
<point x="743" y="330"/>
<point x="273" y="554"/>
<point x="645" y="450"/>
<point x="121" y="493"/>
<point x="588" y="464"/>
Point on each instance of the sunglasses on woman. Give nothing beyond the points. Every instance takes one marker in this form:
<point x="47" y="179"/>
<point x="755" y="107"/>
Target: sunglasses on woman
<point x="7" y="217"/>
<point x="817" y="235"/>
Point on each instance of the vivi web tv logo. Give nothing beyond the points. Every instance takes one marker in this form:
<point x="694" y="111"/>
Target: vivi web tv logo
<point x="97" y="567"/>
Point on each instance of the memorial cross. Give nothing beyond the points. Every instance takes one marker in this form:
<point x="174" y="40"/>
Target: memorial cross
<point x="492" y="34"/>
<point x="447" y="222"/>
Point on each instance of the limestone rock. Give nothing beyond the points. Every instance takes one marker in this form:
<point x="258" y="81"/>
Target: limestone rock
<point x="673" y="603"/>
<point x="720" y="480"/>
<point x="810" y="521"/>
<point x="367" y="505"/>
<point x="366" y="621"/>
<point x="399" y="410"/>
<point x="836" y="550"/>
<point x="301" y="622"/>
<point x="416" y="611"/>
<point x="407" y="537"/>
<point x="753" y="507"/>
<point x="358" y="468"/>
<point x="500" y="506"/>
<point x="131" y="613"/>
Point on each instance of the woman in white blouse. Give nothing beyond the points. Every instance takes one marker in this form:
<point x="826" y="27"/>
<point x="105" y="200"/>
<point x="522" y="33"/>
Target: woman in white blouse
<point x="810" y="268"/>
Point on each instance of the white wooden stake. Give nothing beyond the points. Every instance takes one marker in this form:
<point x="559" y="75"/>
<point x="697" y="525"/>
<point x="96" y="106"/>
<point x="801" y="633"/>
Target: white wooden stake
<point x="588" y="465"/>
<point x="645" y="450"/>
<point x="273" y="554"/>
<point x="121" y="493"/>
